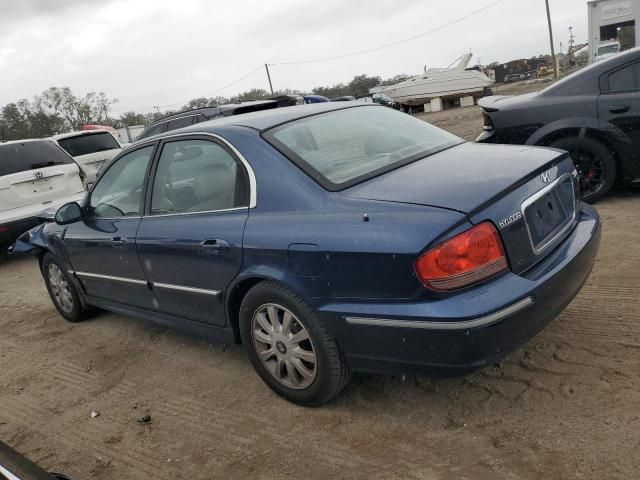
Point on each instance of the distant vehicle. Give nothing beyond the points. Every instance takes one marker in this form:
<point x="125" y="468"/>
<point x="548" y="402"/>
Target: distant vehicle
<point x="383" y="99"/>
<point x="191" y="117"/>
<point x="35" y="175"/>
<point x="607" y="50"/>
<point x="347" y="98"/>
<point x="456" y="80"/>
<point x="593" y="113"/>
<point x="90" y="149"/>
<point x="129" y="134"/>
<point x="14" y="466"/>
<point x="289" y="100"/>
<point x="327" y="239"/>
<point x="114" y="132"/>
<point x="308" y="99"/>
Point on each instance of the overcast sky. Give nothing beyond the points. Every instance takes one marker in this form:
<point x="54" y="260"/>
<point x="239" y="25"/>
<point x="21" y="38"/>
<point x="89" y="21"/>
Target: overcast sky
<point x="159" y="52"/>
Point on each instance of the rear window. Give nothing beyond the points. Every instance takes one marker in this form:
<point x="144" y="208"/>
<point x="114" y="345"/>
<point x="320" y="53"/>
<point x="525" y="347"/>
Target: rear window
<point x="345" y="147"/>
<point x="20" y="157"/>
<point x="155" y="130"/>
<point x="91" y="143"/>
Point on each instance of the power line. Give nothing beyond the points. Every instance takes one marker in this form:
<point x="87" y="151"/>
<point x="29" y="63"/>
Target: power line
<point x="381" y="47"/>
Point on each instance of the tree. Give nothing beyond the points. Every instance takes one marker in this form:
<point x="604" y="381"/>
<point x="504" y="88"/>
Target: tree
<point x="93" y="108"/>
<point x="360" y="85"/>
<point x="128" y="119"/>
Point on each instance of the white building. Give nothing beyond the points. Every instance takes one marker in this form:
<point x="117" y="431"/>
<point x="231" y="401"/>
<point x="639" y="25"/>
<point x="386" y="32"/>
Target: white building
<point x="613" y="20"/>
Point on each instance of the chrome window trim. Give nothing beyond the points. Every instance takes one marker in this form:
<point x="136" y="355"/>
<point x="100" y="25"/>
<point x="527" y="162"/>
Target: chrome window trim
<point x="110" y="277"/>
<point x="160" y="215"/>
<point x="536" y="196"/>
<point x="252" y="176"/>
<point x="453" y="326"/>
<point x="5" y="473"/>
<point x="201" y="291"/>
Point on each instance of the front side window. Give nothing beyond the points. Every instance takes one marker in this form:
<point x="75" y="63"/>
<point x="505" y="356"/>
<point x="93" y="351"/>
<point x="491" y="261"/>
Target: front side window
<point x="622" y="80"/>
<point x="118" y="192"/>
<point x="197" y="176"/>
<point x="344" y="147"/>
<point x="89" y="143"/>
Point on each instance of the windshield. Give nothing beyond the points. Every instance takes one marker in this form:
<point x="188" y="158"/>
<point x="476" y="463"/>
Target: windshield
<point x="608" y="49"/>
<point x="19" y="157"/>
<point x="89" y="143"/>
<point x="344" y="147"/>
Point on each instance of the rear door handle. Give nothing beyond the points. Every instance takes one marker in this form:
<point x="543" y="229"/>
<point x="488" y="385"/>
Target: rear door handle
<point x="119" y="241"/>
<point x="619" y="108"/>
<point x="213" y="246"/>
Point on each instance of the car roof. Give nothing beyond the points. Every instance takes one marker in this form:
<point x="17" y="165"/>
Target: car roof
<point x="79" y="133"/>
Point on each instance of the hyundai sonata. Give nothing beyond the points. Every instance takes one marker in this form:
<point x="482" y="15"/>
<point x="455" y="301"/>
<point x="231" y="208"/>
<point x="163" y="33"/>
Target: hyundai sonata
<point x="327" y="239"/>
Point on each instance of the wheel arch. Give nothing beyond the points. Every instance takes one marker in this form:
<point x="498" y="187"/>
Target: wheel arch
<point x="612" y="139"/>
<point x="245" y="282"/>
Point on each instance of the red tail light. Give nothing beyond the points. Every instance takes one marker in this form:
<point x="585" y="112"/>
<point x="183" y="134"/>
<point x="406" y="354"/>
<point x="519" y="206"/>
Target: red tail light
<point x="468" y="258"/>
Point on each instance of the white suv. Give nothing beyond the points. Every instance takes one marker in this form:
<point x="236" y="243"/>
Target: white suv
<point x="90" y="149"/>
<point x="35" y="176"/>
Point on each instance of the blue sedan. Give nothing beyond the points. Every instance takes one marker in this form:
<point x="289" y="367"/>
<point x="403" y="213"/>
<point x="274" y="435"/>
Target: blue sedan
<point x="327" y="239"/>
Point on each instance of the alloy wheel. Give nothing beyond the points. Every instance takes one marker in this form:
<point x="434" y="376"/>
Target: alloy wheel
<point x="592" y="171"/>
<point x="284" y="346"/>
<point x="60" y="289"/>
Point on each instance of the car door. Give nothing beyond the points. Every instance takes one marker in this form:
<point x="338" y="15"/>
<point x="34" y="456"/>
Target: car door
<point x="190" y="239"/>
<point x="102" y="247"/>
<point x="619" y="102"/>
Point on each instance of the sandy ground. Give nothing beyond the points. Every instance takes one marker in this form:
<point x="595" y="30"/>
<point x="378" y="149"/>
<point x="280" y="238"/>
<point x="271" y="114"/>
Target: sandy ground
<point x="566" y="406"/>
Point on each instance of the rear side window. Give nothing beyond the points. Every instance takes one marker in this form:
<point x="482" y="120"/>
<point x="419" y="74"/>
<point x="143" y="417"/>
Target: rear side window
<point x="91" y="143"/>
<point x="180" y="123"/>
<point x="622" y="80"/>
<point x="150" y="132"/>
<point x="197" y="176"/>
<point x="20" y="157"/>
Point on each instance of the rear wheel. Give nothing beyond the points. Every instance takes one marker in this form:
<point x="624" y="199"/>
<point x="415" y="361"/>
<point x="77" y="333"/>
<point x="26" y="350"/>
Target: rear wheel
<point x="61" y="289"/>
<point x="290" y="347"/>
<point x="595" y="163"/>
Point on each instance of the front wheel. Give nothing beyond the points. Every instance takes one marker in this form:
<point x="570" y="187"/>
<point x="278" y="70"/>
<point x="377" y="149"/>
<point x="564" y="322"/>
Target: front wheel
<point x="595" y="163"/>
<point x="61" y="289"/>
<point x="290" y="347"/>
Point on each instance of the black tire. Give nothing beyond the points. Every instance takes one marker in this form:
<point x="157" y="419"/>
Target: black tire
<point x="72" y="312"/>
<point x="331" y="370"/>
<point x="595" y="162"/>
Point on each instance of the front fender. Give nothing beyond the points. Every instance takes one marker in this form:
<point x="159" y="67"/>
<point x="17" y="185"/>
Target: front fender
<point x="31" y="241"/>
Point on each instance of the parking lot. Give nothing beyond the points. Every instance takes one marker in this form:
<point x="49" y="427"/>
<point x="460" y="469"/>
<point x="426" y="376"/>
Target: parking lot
<point x="567" y="405"/>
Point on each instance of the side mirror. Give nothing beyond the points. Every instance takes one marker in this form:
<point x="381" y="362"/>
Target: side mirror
<point x="68" y="213"/>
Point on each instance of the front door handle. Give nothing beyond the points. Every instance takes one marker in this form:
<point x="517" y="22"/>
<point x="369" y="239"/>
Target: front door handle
<point x="213" y="246"/>
<point x="618" y="109"/>
<point x="119" y="241"/>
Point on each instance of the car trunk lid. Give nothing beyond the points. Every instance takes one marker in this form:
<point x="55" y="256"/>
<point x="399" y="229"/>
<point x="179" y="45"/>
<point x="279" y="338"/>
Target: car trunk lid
<point x="491" y="182"/>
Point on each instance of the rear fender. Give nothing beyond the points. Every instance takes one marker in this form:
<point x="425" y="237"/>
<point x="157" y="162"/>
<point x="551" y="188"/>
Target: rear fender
<point x="607" y="132"/>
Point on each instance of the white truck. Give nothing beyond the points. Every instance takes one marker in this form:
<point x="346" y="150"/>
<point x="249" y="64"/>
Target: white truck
<point x="90" y="149"/>
<point x="607" y="50"/>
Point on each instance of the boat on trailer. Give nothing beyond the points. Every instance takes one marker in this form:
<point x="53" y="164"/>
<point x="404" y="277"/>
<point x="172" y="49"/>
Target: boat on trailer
<point x="446" y="83"/>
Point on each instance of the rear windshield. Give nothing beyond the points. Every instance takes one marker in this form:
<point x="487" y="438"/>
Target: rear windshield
<point x="90" y="143"/>
<point x="19" y="157"/>
<point x="345" y="147"/>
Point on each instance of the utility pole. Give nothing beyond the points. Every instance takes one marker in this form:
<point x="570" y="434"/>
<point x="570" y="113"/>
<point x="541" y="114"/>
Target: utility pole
<point x="553" y="50"/>
<point x="266" y="66"/>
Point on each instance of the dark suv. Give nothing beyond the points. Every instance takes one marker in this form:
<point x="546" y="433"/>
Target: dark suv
<point x="593" y="113"/>
<point x="191" y="117"/>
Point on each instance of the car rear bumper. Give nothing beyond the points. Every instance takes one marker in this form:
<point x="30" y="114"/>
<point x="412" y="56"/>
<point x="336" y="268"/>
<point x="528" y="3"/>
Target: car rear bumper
<point x="472" y="329"/>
